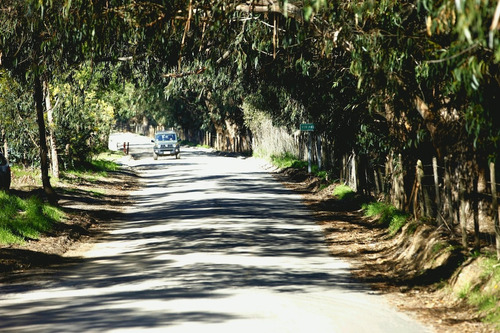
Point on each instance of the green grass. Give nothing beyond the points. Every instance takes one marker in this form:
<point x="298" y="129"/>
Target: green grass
<point x="486" y="300"/>
<point x="287" y="160"/>
<point x="344" y="192"/>
<point x="103" y="165"/>
<point x="92" y="171"/>
<point x="25" y="219"/>
<point x="387" y="215"/>
<point x="110" y="155"/>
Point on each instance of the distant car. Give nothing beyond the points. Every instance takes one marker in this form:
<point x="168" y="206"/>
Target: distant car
<point x="4" y="173"/>
<point x="166" y="143"/>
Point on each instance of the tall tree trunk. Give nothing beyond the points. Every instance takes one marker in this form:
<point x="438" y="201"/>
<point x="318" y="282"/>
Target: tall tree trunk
<point x="494" y="207"/>
<point x="5" y="145"/>
<point x="52" y="137"/>
<point x="44" y="165"/>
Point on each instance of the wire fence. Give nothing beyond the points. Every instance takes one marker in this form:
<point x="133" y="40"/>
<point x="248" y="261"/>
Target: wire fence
<point x="452" y="195"/>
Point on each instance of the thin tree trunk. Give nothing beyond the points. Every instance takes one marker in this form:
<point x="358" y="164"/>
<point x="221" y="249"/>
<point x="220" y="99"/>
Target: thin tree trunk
<point x="475" y="212"/>
<point x="463" y="215"/>
<point x="44" y="166"/>
<point x="494" y="206"/>
<point x="5" y="145"/>
<point x="447" y="189"/>
<point x="436" y="189"/>
<point x="52" y="137"/>
<point x="420" y="176"/>
<point x="479" y="201"/>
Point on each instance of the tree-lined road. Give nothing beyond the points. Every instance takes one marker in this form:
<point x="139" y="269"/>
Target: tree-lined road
<point x="212" y="244"/>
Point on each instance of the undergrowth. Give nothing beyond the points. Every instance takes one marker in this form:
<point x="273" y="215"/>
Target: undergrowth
<point x="387" y="215"/>
<point x="22" y="219"/>
<point x="344" y="192"/>
<point x="92" y="170"/>
<point x="287" y="160"/>
<point x="486" y="296"/>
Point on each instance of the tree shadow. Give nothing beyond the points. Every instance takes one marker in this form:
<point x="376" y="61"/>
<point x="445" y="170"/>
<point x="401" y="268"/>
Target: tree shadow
<point x="182" y="243"/>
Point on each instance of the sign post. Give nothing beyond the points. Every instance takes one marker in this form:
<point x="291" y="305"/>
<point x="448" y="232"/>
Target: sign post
<point x="308" y="128"/>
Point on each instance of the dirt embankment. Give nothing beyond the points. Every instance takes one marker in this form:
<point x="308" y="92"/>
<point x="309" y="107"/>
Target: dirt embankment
<point x="90" y="206"/>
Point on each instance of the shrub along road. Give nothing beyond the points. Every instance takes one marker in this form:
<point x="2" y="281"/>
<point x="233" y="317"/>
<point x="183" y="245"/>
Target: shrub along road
<point x="211" y="243"/>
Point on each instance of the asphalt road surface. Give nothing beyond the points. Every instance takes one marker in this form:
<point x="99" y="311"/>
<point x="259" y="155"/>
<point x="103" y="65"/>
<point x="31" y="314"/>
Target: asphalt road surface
<point x="212" y="244"/>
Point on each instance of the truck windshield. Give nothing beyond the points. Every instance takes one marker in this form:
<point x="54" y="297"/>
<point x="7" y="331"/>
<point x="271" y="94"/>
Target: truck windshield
<point x="165" y="137"/>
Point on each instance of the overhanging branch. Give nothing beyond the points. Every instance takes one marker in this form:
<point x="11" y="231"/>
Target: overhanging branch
<point x="183" y="74"/>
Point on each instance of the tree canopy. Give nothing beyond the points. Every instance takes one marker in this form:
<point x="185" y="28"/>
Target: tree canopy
<point x="406" y="76"/>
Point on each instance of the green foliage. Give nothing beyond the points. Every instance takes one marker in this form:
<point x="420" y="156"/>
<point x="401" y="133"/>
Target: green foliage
<point x="92" y="170"/>
<point x="355" y="69"/>
<point x="343" y="192"/>
<point x="85" y="103"/>
<point x="486" y="298"/>
<point x="104" y="166"/>
<point x="387" y="215"/>
<point x="287" y="160"/>
<point x="17" y="125"/>
<point x="25" y="219"/>
<point x="323" y="174"/>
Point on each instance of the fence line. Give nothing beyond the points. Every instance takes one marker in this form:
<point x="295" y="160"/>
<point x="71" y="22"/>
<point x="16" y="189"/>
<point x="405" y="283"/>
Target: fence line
<point x="445" y="195"/>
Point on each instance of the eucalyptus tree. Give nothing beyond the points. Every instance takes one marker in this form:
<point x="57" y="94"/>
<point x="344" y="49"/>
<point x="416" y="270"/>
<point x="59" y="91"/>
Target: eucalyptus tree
<point x="17" y="128"/>
<point x="34" y="43"/>
<point x="41" y="39"/>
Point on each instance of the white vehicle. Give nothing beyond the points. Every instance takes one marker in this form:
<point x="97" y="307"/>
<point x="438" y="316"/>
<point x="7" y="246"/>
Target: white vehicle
<point x="166" y="143"/>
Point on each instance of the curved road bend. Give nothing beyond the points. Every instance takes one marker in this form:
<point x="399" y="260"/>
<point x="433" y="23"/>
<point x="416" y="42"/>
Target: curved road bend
<point x="213" y="244"/>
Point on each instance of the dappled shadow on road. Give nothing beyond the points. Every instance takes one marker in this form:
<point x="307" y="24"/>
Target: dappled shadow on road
<point x="190" y="236"/>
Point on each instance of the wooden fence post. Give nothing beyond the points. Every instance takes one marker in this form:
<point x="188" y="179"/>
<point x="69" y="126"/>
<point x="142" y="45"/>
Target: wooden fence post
<point x="447" y="189"/>
<point x="400" y="189"/>
<point x="475" y="213"/>
<point x="436" y="189"/>
<point x="463" y="215"/>
<point x="375" y="178"/>
<point x="494" y="206"/>
<point x="319" y="152"/>
<point x="420" y="175"/>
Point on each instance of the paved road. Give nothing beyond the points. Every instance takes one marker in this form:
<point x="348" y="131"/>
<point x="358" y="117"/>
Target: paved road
<point x="213" y="244"/>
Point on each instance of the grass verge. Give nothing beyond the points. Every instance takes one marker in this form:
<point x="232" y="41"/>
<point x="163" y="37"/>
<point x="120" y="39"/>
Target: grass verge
<point x="91" y="171"/>
<point x="344" y="192"/>
<point x="387" y="215"/>
<point x="287" y="160"/>
<point x="22" y="219"/>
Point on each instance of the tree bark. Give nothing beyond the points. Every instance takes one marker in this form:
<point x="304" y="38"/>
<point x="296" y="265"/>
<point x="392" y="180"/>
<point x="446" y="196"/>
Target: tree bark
<point x="494" y="207"/>
<point x="421" y="196"/>
<point x="54" y="161"/>
<point x="44" y="165"/>
<point x="436" y="189"/>
<point x="5" y="145"/>
<point x="463" y="215"/>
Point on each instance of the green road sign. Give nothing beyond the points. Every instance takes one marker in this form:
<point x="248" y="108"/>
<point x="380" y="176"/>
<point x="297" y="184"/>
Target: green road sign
<point x="307" y="127"/>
